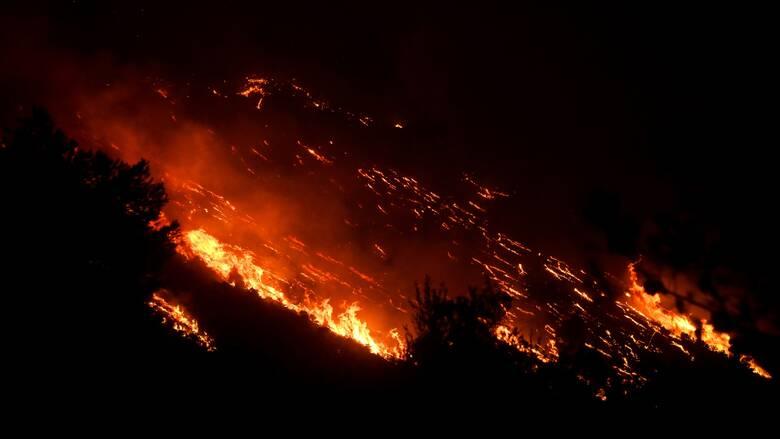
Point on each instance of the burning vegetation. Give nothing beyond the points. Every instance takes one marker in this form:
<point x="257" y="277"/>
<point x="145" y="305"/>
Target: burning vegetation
<point x="330" y="235"/>
<point x="232" y="261"/>
<point x="388" y="212"/>
<point x="181" y="321"/>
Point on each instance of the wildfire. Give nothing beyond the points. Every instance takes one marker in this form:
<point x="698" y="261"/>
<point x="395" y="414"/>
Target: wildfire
<point x="391" y="212"/>
<point x="225" y="259"/>
<point x="182" y="322"/>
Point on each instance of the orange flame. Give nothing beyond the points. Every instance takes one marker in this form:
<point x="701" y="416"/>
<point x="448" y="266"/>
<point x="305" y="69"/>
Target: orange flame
<point x="225" y="259"/>
<point x="182" y="321"/>
<point x="677" y="324"/>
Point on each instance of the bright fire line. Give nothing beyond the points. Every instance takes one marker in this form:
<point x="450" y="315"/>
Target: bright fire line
<point x="225" y="259"/>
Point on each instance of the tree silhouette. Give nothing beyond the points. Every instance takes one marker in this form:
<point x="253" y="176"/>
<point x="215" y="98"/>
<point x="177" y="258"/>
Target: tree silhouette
<point x="80" y="246"/>
<point x="455" y="352"/>
<point x="449" y="328"/>
<point x="454" y="349"/>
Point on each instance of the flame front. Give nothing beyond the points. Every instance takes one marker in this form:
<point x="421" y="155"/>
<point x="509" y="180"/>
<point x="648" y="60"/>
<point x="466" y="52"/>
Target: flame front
<point x="677" y="324"/>
<point x="225" y="259"/>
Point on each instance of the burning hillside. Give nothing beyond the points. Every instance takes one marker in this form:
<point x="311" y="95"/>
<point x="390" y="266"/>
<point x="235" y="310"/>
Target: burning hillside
<point x="319" y="186"/>
<point x="322" y="229"/>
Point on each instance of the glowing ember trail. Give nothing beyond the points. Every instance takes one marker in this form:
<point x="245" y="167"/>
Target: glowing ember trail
<point x="225" y="259"/>
<point x="182" y="322"/>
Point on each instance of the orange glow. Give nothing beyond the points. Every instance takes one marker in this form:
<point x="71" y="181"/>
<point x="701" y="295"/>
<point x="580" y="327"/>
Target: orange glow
<point x="224" y="259"/>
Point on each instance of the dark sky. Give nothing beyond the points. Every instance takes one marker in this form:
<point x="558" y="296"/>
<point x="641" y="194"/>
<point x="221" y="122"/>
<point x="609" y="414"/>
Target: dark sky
<point x="543" y="97"/>
<point x="661" y="110"/>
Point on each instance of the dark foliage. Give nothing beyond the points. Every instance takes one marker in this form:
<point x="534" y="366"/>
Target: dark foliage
<point x="452" y="329"/>
<point x="454" y="352"/>
<point x="79" y="248"/>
